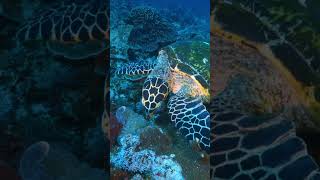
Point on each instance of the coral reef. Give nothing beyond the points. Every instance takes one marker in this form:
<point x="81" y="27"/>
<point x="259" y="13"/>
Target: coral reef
<point x="129" y="159"/>
<point x="134" y="123"/>
<point x="143" y="149"/>
<point x="150" y="30"/>
<point x="144" y="161"/>
<point x="139" y="153"/>
<point x="166" y="168"/>
<point x="119" y="93"/>
<point x="145" y="16"/>
<point x="160" y="141"/>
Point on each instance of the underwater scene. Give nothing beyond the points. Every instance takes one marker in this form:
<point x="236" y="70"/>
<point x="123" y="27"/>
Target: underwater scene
<point x="265" y="89"/>
<point x="159" y="89"/>
<point x="53" y="68"/>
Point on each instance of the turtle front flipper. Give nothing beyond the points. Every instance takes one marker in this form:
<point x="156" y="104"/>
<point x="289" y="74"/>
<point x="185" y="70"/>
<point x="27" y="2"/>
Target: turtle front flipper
<point x="256" y="147"/>
<point x="154" y="91"/>
<point x="135" y="71"/>
<point x="191" y="118"/>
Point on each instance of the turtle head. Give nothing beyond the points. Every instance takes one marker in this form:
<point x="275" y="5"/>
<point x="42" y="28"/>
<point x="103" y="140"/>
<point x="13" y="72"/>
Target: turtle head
<point x="154" y="91"/>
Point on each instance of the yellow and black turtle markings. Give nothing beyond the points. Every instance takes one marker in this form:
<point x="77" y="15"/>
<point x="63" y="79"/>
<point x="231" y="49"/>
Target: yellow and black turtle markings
<point x="189" y="90"/>
<point x="154" y="91"/>
<point x="186" y="107"/>
<point x="184" y="75"/>
<point x="68" y="23"/>
<point x="191" y="118"/>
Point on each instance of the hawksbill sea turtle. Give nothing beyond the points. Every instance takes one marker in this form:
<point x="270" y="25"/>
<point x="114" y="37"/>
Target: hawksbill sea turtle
<point x="72" y="29"/>
<point x="253" y="147"/>
<point x="180" y="71"/>
<point x="245" y="145"/>
<point x="76" y="30"/>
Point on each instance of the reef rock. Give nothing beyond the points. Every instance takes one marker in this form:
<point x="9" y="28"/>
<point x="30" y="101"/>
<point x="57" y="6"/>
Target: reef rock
<point x="133" y="122"/>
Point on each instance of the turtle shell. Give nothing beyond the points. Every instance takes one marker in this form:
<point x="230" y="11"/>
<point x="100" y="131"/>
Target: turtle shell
<point x="72" y="30"/>
<point x="192" y="58"/>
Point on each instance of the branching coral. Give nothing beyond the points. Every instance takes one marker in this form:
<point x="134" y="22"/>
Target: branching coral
<point x="151" y="31"/>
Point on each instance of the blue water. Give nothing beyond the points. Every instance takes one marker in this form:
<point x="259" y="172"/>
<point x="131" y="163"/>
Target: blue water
<point x="196" y="7"/>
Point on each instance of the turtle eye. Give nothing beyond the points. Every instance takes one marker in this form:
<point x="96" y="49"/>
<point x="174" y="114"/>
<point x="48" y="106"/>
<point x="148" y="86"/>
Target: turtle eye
<point x="154" y="91"/>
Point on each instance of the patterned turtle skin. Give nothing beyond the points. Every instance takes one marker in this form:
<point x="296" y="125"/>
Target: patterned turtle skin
<point x="154" y="91"/>
<point x="188" y="92"/>
<point x="244" y="144"/>
<point x="75" y="30"/>
<point x="74" y="23"/>
<point x="251" y="147"/>
<point x="186" y="107"/>
<point x="68" y="22"/>
<point x="139" y="68"/>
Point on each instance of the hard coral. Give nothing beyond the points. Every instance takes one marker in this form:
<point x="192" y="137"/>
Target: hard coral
<point x="165" y="168"/>
<point x="144" y="16"/>
<point x="130" y="158"/>
<point x="151" y="31"/>
<point x="127" y="158"/>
